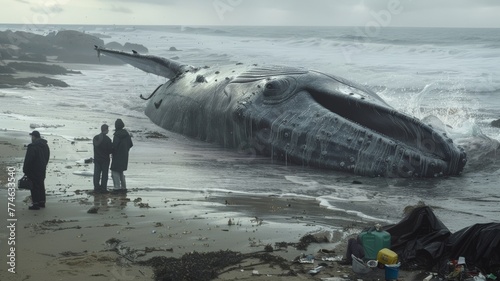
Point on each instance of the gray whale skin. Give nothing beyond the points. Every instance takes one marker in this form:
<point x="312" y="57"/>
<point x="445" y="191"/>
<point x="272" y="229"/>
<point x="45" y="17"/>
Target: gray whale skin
<point x="296" y="115"/>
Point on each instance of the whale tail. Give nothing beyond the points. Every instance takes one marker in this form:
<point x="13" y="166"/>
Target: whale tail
<point x="151" y="64"/>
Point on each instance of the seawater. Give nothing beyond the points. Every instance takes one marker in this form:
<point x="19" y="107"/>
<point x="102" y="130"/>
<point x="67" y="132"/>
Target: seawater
<point x="447" y="76"/>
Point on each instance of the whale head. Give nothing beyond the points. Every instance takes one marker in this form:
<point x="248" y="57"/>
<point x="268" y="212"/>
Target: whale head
<point x="323" y="120"/>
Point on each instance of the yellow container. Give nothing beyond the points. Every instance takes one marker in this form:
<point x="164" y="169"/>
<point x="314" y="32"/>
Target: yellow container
<point x="386" y="256"/>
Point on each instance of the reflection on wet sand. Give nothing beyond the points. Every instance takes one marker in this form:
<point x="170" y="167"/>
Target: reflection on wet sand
<point x="104" y="201"/>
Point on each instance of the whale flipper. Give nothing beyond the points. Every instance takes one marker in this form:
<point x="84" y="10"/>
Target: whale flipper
<point x="151" y="64"/>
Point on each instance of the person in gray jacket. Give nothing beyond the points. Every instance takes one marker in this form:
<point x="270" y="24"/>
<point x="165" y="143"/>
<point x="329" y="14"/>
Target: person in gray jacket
<point x="122" y="142"/>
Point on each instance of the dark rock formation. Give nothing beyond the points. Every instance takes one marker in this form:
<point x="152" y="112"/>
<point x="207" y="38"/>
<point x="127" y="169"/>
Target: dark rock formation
<point x="33" y="57"/>
<point x="41" y="68"/>
<point x="69" y="46"/>
<point x="496" y="123"/>
<point x="76" y="41"/>
<point x="136" y="47"/>
<point x="114" y="46"/>
<point x="8" y="81"/>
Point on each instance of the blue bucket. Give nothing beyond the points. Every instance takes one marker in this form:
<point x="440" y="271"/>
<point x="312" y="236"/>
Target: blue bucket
<point x="392" y="271"/>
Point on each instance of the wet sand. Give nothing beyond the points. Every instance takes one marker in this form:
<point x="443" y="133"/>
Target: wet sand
<point x="64" y="241"/>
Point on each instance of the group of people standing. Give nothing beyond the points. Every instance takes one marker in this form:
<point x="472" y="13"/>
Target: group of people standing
<point x="118" y="149"/>
<point x="106" y="153"/>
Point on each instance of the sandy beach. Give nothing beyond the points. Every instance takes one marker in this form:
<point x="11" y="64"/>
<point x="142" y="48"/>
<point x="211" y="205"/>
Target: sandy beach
<point x="81" y="236"/>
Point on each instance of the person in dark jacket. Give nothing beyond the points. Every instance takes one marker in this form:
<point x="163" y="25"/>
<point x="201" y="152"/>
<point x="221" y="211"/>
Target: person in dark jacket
<point x="102" y="150"/>
<point x="122" y="142"/>
<point x="35" y="167"/>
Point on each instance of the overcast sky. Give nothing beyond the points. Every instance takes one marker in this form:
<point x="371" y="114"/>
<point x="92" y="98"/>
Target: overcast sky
<point x="419" y="13"/>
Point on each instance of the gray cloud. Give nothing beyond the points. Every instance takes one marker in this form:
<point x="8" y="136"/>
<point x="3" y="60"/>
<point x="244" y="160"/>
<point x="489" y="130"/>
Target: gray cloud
<point x="159" y="2"/>
<point x="426" y="13"/>
<point x="49" y="9"/>
<point x="120" y="9"/>
<point x="339" y="12"/>
<point x="448" y="13"/>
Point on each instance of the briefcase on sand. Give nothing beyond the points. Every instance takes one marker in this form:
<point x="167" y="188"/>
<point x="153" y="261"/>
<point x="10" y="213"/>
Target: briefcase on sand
<point x="25" y="183"/>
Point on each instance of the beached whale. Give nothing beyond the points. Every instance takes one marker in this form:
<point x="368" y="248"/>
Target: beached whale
<point x="295" y="115"/>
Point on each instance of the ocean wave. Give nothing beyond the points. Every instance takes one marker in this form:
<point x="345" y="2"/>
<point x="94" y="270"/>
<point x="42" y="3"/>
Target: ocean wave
<point x="67" y="104"/>
<point x="204" y="30"/>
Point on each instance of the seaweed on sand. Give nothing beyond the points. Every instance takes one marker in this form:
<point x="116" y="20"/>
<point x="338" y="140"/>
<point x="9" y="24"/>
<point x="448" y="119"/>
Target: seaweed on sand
<point x="204" y="266"/>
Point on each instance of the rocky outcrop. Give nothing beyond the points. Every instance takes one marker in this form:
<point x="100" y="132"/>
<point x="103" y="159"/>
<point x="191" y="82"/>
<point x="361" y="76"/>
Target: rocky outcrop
<point x="51" y="69"/>
<point x="114" y="46"/>
<point x="495" y="123"/>
<point x="136" y="47"/>
<point x="9" y="81"/>
<point x="68" y="46"/>
<point x="128" y="47"/>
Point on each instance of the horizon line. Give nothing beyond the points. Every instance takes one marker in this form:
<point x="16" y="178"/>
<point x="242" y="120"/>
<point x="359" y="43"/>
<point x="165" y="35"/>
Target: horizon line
<point x="242" y="25"/>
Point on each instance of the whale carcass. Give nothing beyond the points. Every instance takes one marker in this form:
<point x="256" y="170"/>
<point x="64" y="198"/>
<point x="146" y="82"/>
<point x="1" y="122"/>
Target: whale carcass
<point x="295" y="115"/>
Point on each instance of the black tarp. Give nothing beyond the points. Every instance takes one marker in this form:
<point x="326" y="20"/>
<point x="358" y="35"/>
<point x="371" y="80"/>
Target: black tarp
<point x="418" y="238"/>
<point x="421" y="240"/>
<point x="479" y="244"/>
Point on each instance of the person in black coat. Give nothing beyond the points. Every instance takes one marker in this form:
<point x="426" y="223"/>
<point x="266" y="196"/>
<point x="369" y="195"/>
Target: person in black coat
<point x="122" y="142"/>
<point x="35" y="167"/>
<point x="102" y="150"/>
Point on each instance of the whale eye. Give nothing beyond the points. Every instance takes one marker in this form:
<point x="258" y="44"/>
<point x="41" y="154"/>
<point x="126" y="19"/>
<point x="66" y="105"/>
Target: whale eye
<point x="273" y="85"/>
<point x="278" y="90"/>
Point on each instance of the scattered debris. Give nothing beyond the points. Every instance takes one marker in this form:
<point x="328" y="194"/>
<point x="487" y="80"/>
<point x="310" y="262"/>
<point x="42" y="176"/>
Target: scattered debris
<point x="316" y="270"/>
<point x="306" y="259"/>
<point x="81" y="139"/>
<point x="93" y="210"/>
<point x="268" y="248"/>
<point x="113" y="242"/>
<point x="34" y="126"/>
<point x="155" y="135"/>
<point x="143" y="205"/>
<point x="306" y="240"/>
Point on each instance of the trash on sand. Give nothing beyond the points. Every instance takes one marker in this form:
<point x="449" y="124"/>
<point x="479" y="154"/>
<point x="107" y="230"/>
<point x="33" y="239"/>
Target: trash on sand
<point x="307" y="259"/>
<point x="428" y="278"/>
<point x="358" y="266"/>
<point x="372" y="263"/>
<point x="337" y="258"/>
<point x="93" y="210"/>
<point x="480" y="277"/>
<point x="315" y="270"/>
<point x="461" y="260"/>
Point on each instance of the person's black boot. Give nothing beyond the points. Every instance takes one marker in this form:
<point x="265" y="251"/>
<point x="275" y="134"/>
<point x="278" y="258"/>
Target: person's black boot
<point x="34" y="207"/>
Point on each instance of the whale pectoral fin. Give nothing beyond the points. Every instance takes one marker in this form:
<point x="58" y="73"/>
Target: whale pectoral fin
<point x="147" y="63"/>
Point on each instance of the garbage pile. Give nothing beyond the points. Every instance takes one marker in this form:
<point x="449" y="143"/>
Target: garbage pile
<point x="422" y="241"/>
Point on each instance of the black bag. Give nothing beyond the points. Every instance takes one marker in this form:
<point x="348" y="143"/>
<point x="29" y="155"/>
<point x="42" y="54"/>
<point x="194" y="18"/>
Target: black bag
<point x="25" y="183"/>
